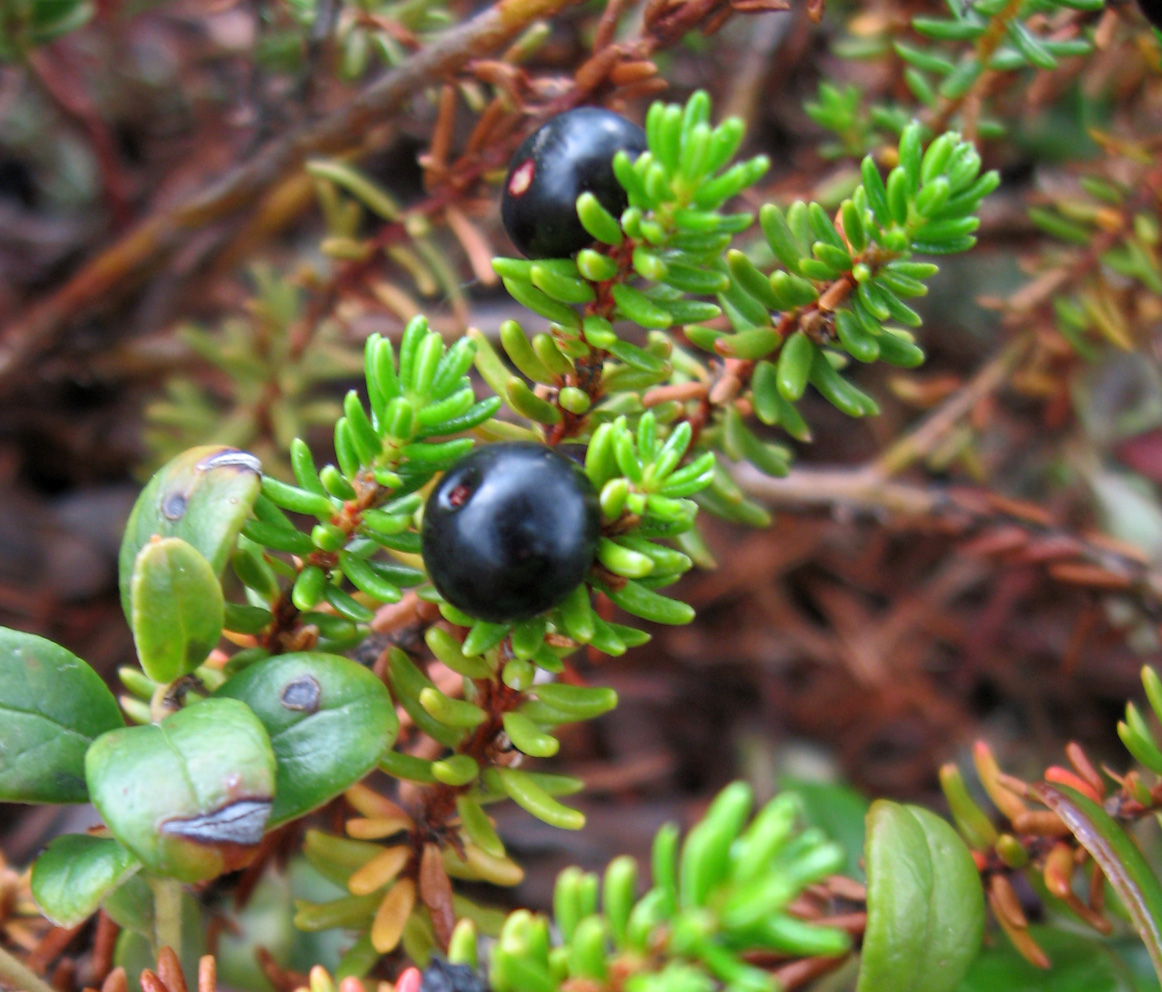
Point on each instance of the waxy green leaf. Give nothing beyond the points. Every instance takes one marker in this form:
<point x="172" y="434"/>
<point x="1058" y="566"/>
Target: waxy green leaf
<point x="203" y="496"/>
<point x="52" y="706"/>
<point x="330" y="720"/>
<point x="925" y="903"/>
<point x="178" y="609"/>
<point x="189" y="796"/>
<point x="75" y="873"/>
<point x="131" y="905"/>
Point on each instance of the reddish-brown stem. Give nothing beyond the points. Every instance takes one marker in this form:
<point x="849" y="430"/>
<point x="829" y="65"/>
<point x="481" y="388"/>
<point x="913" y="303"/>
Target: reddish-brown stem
<point x="104" y="944"/>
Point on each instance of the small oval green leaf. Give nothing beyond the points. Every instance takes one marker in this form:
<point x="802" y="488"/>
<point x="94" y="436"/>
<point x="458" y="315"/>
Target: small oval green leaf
<point x="178" y="609"/>
<point x="925" y="902"/>
<point x="330" y="720"/>
<point x="52" y="707"/>
<point x="75" y="873"/>
<point x="203" y="496"/>
<point x="189" y="796"/>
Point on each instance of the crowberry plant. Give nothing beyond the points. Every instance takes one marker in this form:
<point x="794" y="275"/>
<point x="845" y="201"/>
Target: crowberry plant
<point x="349" y="663"/>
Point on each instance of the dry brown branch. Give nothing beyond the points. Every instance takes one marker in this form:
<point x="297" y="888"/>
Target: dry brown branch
<point x="994" y="525"/>
<point x="149" y="245"/>
<point x="52" y="946"/>
<point x="104" y="946"/>
<point x="925" y="436"/>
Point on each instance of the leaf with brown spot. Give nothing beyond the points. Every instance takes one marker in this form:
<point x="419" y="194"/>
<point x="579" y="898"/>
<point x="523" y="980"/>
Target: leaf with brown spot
<point x="203" y="496"/>
<point x="189" y="797"/>
<point x="329" y="720"/>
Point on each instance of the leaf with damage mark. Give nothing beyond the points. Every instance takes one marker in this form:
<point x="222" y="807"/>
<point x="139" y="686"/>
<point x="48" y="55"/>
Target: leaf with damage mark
<point x="203" y="496"/>
<point x="329" y="719"/>
<point x="52" y="706"/>
<point x="190" y="796"/>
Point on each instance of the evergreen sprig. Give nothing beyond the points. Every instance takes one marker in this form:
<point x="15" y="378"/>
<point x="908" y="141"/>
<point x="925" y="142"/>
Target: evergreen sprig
<point x="722" y="893"/>
<point x="272" y="387"/>
<point x="839" y="287"/>
<point x="29" y="24"/>
<point x="1001" y="40"/>
<point x="362" y="42"/>
<point x="953" y="55"/>
<point x="842" y="112"/>
<point x="726" y="891"/>
<point x="838" y="284"/>
<point x="418" y="407"/>
<point x="1104" y="221"/>
<point x="649" y="267"/>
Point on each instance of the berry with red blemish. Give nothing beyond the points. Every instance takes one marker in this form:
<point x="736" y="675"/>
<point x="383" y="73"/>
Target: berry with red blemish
<point x="570" y="154"/>
<point x="510" y="530"/>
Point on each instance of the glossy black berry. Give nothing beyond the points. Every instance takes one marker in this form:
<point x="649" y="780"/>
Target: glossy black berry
<point x="440" y="976"/>
<point x="568" y="155"/>
<point x="510" y="530"/>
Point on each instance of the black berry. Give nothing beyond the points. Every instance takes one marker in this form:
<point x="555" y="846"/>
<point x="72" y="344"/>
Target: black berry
<point x="510" y="530"/>
<point x="440" y="976"/>
<point x="568" y="155"/>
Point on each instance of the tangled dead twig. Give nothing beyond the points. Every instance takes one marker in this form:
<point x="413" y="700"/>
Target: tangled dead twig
<point x="990" y="524"/>
<point x="151" y="243"/>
